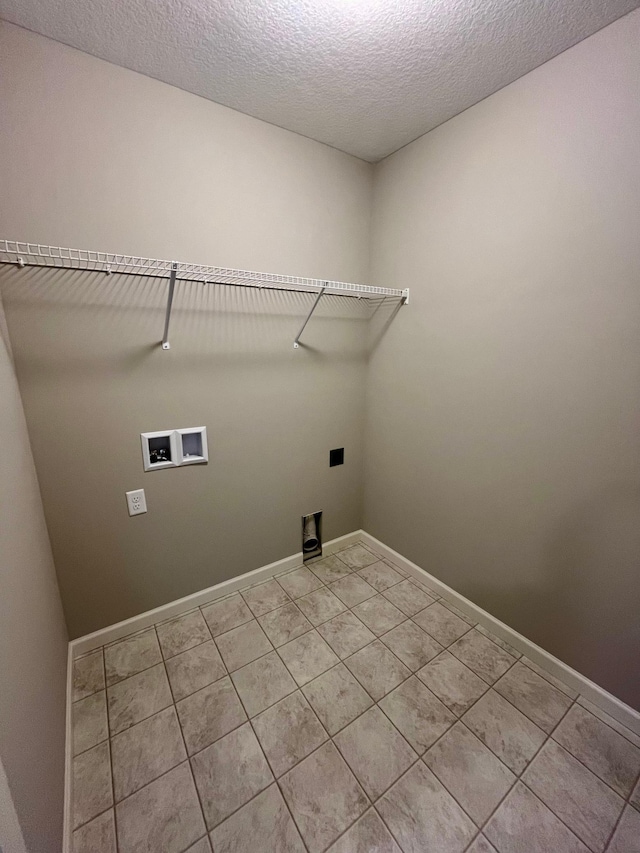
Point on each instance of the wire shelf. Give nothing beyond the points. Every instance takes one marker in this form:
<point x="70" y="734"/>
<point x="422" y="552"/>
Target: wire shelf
<point x="57" y="257"/>
<point x="35" y="254"/>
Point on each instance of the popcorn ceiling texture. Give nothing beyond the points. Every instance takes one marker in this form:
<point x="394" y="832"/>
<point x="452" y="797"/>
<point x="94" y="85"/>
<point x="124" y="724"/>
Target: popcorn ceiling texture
<point x="365" y="76"/>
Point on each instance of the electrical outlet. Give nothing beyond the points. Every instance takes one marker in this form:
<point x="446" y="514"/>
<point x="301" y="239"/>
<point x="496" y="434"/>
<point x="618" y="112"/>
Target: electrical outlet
<point x="136" y="502"/>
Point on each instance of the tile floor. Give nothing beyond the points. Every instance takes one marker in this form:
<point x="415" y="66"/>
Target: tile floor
<point x="343" y="707"/>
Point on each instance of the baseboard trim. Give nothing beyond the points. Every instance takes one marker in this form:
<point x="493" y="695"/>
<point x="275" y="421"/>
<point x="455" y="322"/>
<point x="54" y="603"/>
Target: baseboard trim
<point x="572" y="678"/>
<point x="110" y="634"/>
<point x="67" y="822"/>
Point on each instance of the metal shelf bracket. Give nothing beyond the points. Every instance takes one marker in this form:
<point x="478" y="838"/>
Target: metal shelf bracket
<point x="296" y="343"/>
<point x="167" y="318"/>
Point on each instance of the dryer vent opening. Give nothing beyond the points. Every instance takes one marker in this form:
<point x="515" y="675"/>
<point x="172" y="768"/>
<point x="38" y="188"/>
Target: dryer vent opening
<point x="312" y="535"/>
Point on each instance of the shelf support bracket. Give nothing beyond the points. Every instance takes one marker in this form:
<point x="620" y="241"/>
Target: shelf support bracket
<point x="296" y="343"/>
<point x="167" y="318"/>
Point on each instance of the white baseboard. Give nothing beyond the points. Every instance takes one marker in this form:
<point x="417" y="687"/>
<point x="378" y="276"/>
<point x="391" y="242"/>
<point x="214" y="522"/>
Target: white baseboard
<point x="574" y="680"/>
<point x="67" y="821"/>
<point x="85" y="644"/>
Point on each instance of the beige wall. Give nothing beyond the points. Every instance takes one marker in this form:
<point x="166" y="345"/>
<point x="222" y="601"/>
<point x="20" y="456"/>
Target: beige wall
<point x="503" y="442"/>
<point x="99" y="157"/>
<point x="33" y="640"/>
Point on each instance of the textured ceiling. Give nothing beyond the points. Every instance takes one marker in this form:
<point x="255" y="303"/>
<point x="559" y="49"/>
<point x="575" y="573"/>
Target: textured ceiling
<point x="366" y="76"/>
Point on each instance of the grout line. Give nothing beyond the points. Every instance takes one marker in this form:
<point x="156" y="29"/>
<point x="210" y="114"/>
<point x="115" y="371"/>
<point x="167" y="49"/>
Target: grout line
<point x="184" y="742"/>
<point x="580" y="761"/>
<point x="384" y="823"/>
<point x="519" y="775"/>
<point x="584" y="708"/>
<point x="113" y="790"/>
<point x="275" y="779"/>
<point x="547" y="677"/>
<point x="614" y="830"/>
<point x="100" y="814"/>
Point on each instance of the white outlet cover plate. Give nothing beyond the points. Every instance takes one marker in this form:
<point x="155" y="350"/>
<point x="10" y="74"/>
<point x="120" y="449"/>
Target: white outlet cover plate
<point x="136" y="502"/>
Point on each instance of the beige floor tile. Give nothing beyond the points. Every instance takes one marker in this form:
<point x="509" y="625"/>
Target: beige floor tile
<point x="265" y="597"/>
<point x="352" y="590"/>
<point x="288" y="732"/>
<point x="573" y="694"/>
<point x="506" y="731"/>
<point x="423" y="816"/>
<point x="320" y="606"/>
<point x="263" y="683"/>
<point x="182" y="633"/>
<point x="523" y="823"/>
<point x="194" y="669"/>
<point x="375" y="750"/>
<point x="357" y="557"/>
<point x="91" y="784"/>
<point x="97" y="836"/>
<point x="411" y="644"/>
<point x="324" y="797"/>
<point x="88" y="675"/>
<point x="534" y="696"/>
<point x="90" y="725"/>
<point x="210" y="714"/>
<point x="605" y="752"/>
<point x="330" y="569"/>
<point x="307" y="657"/>
<point x="626" y="838"/>
<point x="284" y="624"/>
<point x="581" y="800"/>
<point x="379" y="615"/>
<point x="131" y="655"/>
<point x="470" y="772"/>
<point x="263" y="825"/>
<point x="138" y="697"/>
<point x="299" y="583"/>
<point x="377" y="669"/>
<point x="408" y="597"/>
<point x="452" y="682"/>
<point x="417" y="713"/>
<point x="443" y="625"/>
<point x="380" y="575"/>
<point x="337" y="698"/>
<point x="226" y="614"/>
<point x="367" y="835"/>
<point x="481" y="655"/>
<point x="346" y="634"/>
<point x="142" y="753"/>
<point x="241" y="645"/>
<point x="229" y="773"/>
<point x="163" y="816"/>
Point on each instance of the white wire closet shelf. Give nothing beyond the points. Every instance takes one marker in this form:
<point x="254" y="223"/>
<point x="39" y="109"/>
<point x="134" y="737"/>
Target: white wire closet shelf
<point x="35" y="254"/>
